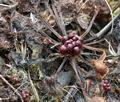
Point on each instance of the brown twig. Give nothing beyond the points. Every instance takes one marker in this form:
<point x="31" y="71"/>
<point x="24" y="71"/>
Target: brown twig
<point x="94" y="42"/>
<point x="61" y="66"/>
<point x="62" y="23"/>
<point x="92" y="48"/>
<point x="73" y="63"/>
<point x="37" y="99"/>
<point x="17" y="93"/>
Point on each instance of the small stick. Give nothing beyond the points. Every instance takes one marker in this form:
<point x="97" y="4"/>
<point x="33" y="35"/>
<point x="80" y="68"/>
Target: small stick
<point x="111" y="13"/>
<point x="6" y="7"/>
<point x="18" y="88"/>
<point x="82" y="5"/>
<point x="91" y="43"/>
<point x="73" y="63"/>
<point x="33" y="88"/>
<point x="62" y="23"/>
<point x="50" y="10"/>
<point x="92" y="48"/>
<point x="61" y="66"/>
<point x="55" y="45"/>
<point x="17" y="93"/>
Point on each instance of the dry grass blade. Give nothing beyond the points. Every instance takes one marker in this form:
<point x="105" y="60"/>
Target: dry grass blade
<point x="92" y="48"/>
<point x="37" y="99"/>
<point x="73" y="63"/>
<point x="59" y="19"/>
<point x="61" y="66"/>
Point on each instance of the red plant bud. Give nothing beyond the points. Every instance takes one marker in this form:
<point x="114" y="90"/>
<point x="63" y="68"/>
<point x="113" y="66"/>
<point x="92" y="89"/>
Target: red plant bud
<point x="78" y="43"/>
<point x="106" y="81"/>
<point x="71" y="35"/>
<point x="68" y="42"/>
<point x="25" y="93"/>
<point x="64" y="38"/>
<point x="70" y="46"/>
<point x="76" y="50"/>
<point x="63" y="49"/>
<point x="75" y="38"/>
<point x="74" y="43"/>
<point x="104" y="84"/>
<point x="108" y="85"/>
<point x="109" y="88"/>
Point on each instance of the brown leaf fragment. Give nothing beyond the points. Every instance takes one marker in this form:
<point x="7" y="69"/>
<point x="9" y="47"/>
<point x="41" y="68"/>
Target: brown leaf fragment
<point x="101" y="68"/>
<point x="98" y="99"/>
